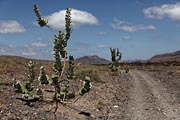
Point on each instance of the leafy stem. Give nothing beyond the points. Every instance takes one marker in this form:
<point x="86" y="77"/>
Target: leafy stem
<point x="61" y="85"/>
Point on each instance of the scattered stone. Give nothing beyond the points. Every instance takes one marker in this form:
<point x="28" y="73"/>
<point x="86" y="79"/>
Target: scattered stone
<point x="115" y="106"/>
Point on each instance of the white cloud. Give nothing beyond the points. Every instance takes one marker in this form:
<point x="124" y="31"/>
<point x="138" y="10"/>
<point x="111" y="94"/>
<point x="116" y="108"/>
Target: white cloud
<point x="102" y="46"/>
<point x="171" y="11"/>
<point x="26" y="46"/>
<point x="11" y="26"/>
<point x="52" y="52"/>
<point x="29" y="53"/>
<point x="2" y="50"/>
<point x="125" y="26"/>
<point x="39" y="38"/>
<point x="12" y="46"/>
<point x="126" y="37"/>
<point x="38" y="44"/>
<point x="57" y="20"/>
<point x="101" y="33"/>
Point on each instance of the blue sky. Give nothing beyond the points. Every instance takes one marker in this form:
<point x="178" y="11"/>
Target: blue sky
<point x="139" y="28"/>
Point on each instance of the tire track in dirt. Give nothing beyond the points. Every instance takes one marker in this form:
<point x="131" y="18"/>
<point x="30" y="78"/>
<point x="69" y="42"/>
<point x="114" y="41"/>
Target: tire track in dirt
<point x="149" y="100"/>
<point x="163" y="98"/>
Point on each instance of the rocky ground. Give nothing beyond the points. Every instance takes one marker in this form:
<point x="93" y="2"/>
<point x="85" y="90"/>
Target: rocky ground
<point x="148" y="93"/>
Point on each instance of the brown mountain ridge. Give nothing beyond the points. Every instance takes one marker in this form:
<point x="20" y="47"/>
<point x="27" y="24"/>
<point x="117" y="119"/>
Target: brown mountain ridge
<point x="167" y="57"/>
<point x="94" y="59"/>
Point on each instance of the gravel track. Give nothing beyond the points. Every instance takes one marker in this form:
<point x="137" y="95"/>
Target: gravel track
<point x="149" y="100"/>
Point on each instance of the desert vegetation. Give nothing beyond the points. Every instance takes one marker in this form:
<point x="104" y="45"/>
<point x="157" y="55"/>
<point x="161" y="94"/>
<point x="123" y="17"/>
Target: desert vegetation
<point x="115" y="58"/>
<point x="68" y="89"/>
<point x="61" y="78"/>
<point x="156" y="85"/>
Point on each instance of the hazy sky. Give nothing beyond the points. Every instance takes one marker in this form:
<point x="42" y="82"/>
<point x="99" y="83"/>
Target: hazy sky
<point x="139" y="28"/>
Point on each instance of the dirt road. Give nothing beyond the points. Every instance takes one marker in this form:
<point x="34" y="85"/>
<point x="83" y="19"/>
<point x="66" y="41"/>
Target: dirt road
<point x="149" y="100"/>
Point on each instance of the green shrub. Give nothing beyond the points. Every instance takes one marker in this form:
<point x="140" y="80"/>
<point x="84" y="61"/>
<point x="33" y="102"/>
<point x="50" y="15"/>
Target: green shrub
<point x="60" y="63"/>
<point x="115" y="58"/>
<point x="93" y="74"/>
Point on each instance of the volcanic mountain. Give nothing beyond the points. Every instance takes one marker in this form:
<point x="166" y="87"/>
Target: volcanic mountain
<point x="167" y="57"/>
<point x="94" y="59"/>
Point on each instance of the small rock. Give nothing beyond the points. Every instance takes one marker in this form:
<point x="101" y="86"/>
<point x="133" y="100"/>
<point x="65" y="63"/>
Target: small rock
<point x="115" y="106"/>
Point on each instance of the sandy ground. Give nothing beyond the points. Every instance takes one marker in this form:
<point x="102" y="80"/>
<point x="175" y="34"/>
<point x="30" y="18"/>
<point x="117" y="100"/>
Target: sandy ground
<point x="137" y="95"/>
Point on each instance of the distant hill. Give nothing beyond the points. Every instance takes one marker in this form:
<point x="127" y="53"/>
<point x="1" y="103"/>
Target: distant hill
<point x="22" y="61"/>
<point x="9" y="58"/>
<point x="16" y="64"/>
<point x="167" y="57"/>
<point x="94" y="59"/>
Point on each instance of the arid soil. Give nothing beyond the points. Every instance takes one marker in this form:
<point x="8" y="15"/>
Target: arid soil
<point x="148" y="93"/>
<point x="150" y="99"/>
